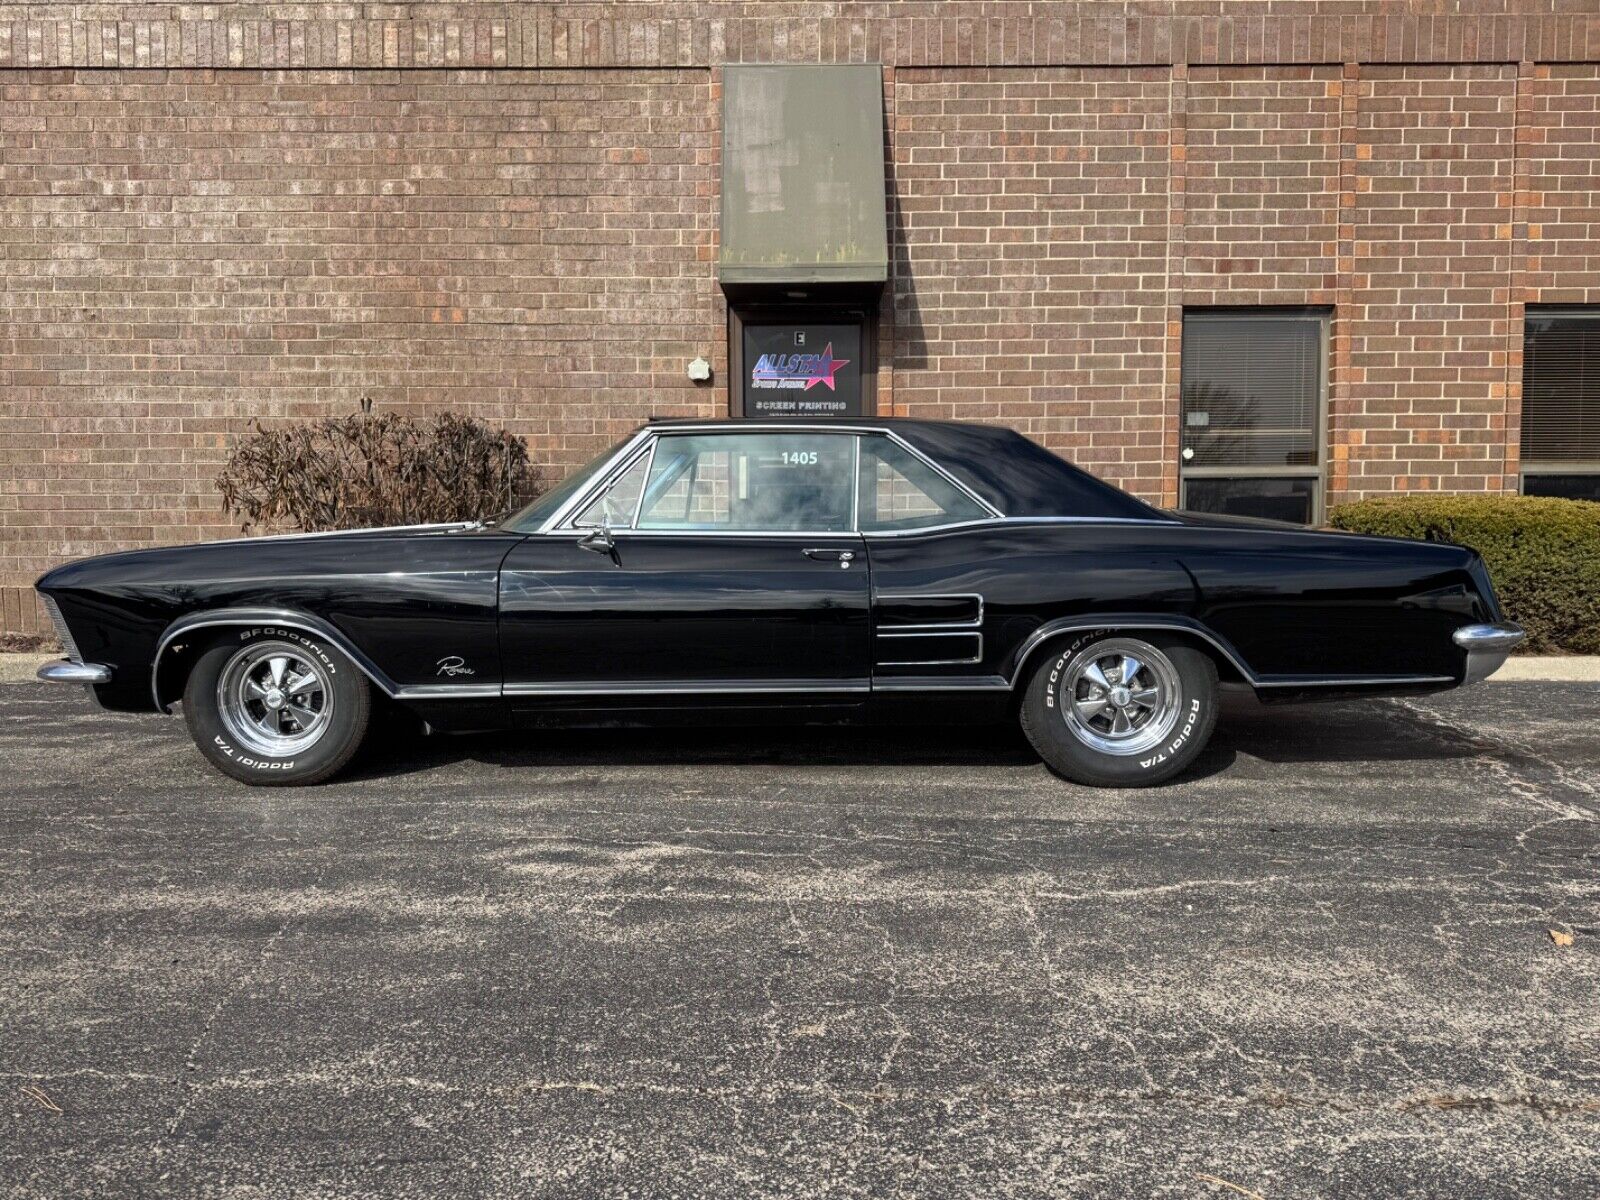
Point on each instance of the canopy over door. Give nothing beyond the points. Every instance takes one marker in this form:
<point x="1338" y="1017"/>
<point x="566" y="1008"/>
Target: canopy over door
<point x="802" y="175"/>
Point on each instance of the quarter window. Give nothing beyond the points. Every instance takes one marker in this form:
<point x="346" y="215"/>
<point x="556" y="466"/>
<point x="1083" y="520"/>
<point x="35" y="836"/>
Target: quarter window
<point x="617" y="504"/>
<point x="1561" y="403"/>
<point x="764" y="482"/>
<point x="900" y="491"/>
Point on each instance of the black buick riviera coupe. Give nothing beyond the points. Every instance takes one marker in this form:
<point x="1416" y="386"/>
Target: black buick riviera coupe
<point x="811" y="571"/>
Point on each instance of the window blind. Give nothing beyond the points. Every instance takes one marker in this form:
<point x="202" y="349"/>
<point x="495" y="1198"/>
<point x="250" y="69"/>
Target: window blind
<point x="1251" y="387"/>
<point x="1561" y="387"/>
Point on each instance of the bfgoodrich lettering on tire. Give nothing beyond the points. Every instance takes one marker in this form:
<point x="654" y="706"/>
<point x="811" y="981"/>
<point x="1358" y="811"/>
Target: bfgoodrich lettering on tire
<point x="269" y="705"/>
<point x="1117" y="709"/>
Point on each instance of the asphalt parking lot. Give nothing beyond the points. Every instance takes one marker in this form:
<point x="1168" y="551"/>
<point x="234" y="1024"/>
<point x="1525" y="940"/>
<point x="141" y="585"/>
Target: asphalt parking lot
<point x="746" y="963"/>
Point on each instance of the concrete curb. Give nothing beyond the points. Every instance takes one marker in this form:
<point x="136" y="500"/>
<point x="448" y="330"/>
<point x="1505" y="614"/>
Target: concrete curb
<point x="1541" y="668"/>
<point x="1550" y="668"/>
<point x="19" y="668"/>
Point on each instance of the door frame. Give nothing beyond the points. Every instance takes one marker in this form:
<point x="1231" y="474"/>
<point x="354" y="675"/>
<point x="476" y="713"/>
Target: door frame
<point x="768" y="310"/>
<point x="1319" y="472"/>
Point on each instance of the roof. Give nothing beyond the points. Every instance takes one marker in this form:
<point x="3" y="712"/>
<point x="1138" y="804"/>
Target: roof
<point x="1016" y="475"/>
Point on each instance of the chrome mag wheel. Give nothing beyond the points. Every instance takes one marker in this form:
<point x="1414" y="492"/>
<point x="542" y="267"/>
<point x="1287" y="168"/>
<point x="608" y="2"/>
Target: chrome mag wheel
<point x="274" y="700"/>
<point x="1120" y="696"/>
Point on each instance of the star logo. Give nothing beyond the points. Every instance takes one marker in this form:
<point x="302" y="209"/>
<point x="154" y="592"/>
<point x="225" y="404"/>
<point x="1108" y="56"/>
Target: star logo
<point x="822" y="371"/>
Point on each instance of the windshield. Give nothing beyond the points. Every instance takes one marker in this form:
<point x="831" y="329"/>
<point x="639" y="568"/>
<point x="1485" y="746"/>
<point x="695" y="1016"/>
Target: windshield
<point x="529" y="519"/>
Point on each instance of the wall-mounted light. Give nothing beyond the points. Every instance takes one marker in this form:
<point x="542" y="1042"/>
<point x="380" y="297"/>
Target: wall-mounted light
<point x="699" y="369"/>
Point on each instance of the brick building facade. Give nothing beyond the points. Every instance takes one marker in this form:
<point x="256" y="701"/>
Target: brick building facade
<point x="210" y="214"/>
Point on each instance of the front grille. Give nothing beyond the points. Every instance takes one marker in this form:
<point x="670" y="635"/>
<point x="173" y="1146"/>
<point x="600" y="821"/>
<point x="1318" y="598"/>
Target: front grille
<point x="62" y="632"/>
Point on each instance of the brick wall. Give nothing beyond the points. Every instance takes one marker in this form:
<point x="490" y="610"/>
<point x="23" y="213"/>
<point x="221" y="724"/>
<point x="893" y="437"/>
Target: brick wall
<point x="1430" y="319"/>
<point x="186" y="251"/>
<point x="248" y="210"/>
<point x="1031" y="259"/>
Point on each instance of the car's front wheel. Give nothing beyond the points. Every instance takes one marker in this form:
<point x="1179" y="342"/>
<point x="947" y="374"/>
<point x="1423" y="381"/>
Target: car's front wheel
<point x="1116" y="710"/>
<point x="276" y="706"/>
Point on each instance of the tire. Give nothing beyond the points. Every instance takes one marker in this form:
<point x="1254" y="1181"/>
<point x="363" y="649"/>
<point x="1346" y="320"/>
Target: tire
<point x="1157" y="732"/>
<point x="263" y="723"/>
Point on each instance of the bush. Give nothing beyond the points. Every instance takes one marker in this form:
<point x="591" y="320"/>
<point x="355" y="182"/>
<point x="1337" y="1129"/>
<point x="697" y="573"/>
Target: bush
<point x="376" y="469"/>
<point x="1543" y="555"/>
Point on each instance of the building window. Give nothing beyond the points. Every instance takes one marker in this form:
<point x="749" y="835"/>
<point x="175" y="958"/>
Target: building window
<point x="1253" y="385"/>
<point x="1561" y="403"/>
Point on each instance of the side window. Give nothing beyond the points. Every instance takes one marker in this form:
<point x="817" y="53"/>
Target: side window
<point x="618" y="502"/>
<point x="755" y="482"/>
<point x="900" y="491"/>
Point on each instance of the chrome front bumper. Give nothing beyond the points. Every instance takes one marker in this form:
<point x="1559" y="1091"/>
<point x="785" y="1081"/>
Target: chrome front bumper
<point x="74" y="672"/>
<point x="1487" y="647"/>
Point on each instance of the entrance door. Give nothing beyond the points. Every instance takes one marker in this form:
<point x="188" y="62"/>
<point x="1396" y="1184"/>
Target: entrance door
<point x="802" y="362"/>
<point x="716" y="566"/>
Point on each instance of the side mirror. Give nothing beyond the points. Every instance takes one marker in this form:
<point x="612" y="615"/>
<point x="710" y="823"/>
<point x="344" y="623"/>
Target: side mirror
<point x="599" y="539"/>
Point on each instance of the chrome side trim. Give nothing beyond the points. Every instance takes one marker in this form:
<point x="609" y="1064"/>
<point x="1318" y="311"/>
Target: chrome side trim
<point x="304" y="623"/>
<point x="436" y="527"/>
<point x="932" y="626"/>
<point x="1132" y="621"/>
<point x="74" y="672"/>
<point x="647" y="687"/>
<point x="1487" y="647"/>
<point x="975" y="657"/>
<point x="942" y="683"/>
<point x="448" y="691"/>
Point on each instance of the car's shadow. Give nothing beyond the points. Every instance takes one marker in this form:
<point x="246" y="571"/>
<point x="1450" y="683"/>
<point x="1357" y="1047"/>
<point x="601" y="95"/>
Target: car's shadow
<point x="1356" y="731"/>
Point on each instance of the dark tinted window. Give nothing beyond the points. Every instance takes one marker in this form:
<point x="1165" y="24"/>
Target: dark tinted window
<point x="1277" y="499"/>
<point x="1571" y="487"/>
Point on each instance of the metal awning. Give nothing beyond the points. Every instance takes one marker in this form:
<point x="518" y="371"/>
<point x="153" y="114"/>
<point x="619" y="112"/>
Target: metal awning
<point x="802" y="175"/>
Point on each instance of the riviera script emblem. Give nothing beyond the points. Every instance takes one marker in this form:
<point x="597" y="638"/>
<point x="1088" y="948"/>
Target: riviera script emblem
<point x="454" y="665"/>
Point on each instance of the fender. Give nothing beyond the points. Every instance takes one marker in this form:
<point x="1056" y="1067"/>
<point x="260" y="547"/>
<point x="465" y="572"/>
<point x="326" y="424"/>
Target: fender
<point x="1018" y="662"/>
<point x="287" y="618"/>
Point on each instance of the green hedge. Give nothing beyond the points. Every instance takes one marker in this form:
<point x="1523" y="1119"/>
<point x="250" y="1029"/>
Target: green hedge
<point x="1543" y="555"/>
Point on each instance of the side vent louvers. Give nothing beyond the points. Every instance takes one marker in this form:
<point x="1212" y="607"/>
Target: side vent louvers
<point x="62" y="631"/>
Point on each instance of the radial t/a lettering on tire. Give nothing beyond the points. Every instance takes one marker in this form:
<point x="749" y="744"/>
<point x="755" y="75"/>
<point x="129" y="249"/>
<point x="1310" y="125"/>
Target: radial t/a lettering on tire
<point x="1116" y="709"/>
<point x="272" y="705"/>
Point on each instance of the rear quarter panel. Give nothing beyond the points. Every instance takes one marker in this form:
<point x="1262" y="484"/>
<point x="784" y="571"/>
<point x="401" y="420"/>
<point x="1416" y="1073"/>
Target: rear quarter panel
<point x="1289" y="602"/>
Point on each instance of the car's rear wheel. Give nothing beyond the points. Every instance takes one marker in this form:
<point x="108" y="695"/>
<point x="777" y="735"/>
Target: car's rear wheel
<point x="276" y="706"/>
<point x="1120" y="710"/>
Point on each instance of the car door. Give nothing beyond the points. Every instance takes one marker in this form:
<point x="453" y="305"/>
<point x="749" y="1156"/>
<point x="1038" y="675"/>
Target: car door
<point x="713" y="565"/>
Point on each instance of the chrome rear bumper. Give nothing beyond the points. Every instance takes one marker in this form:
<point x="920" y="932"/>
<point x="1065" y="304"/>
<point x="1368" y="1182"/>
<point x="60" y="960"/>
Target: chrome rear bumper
<point x="1487" y="647"/>
<point x="74" y="672"/>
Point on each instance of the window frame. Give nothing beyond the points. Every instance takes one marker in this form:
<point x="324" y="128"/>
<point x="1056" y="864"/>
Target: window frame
<point x="564" y="522"/>
<point x="1549" y="466"/>
<point x="1319" y="470"/>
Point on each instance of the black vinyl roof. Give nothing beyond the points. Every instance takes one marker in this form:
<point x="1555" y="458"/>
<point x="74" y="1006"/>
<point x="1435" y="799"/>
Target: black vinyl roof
<point x="1017" y="476"/>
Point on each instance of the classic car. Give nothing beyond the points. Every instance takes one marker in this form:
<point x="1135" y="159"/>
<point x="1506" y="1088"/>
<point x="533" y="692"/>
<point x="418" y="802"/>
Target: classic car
<point x="794" y="571"/>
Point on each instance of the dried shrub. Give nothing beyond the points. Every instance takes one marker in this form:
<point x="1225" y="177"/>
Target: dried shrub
<point x="372" y="468"/>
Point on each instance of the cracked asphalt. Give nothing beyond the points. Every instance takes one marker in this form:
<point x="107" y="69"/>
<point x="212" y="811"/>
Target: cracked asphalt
<point x="814" y="963"/>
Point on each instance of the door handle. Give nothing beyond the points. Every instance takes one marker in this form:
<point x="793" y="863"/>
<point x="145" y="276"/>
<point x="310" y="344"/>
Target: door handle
<point x="843" y="557"/>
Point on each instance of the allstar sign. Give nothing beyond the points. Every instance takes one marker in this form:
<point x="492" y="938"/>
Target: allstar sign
<point x="790" y="370"/>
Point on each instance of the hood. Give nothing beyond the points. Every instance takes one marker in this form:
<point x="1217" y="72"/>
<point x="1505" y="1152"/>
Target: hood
<point x="140" y="558"/>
